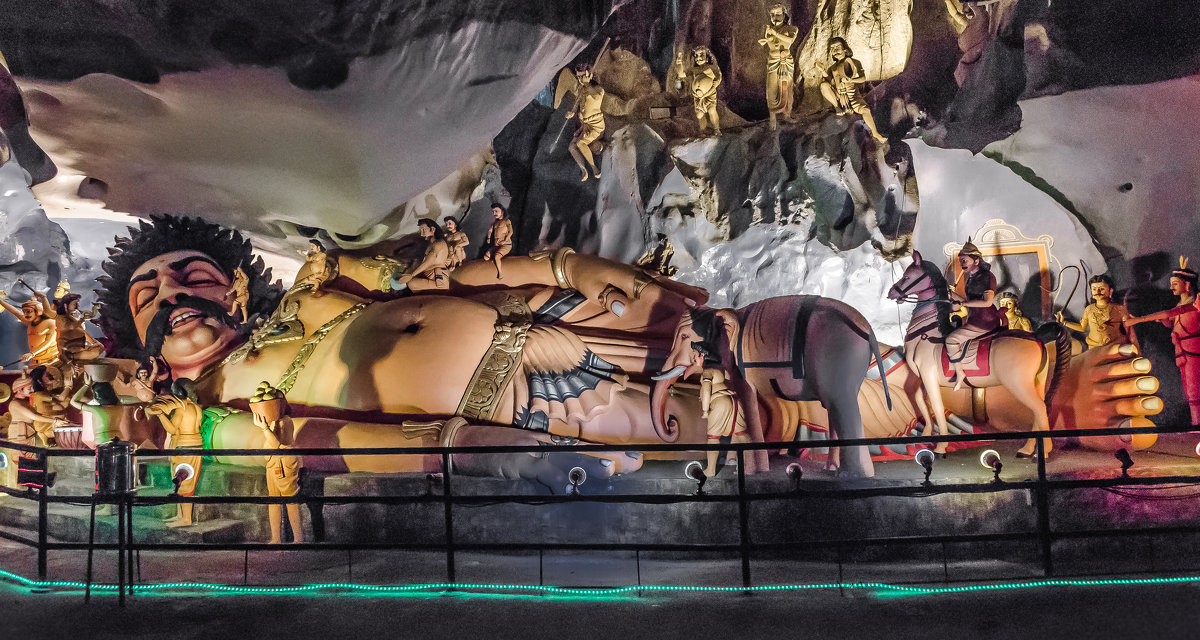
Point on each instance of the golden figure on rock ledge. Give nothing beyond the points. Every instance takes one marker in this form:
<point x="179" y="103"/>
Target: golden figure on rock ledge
<point x="589" y="96"/>
<point x="703" y="80"/>
<point x="781" y="66"/>
<point x="841" y="85"/>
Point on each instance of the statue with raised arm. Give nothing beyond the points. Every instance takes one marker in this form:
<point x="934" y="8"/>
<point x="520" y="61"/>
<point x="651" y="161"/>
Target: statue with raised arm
<point x="588" y="98"/>
<point x="1184" y="322"/>
<point x="781" y="66"/>
<point x="74" y="344"/>
<point x="39" y="328"/>
<point x="1102" y="321"/>
<point x="841" y="85"/>
<point x="181" y="418"/>
<point x="436" y="263"/>
<point x="270" y="410"/>
<point x="703" y="79"/>
<point x="48" y="402"/>
<point x="239" y="292"/>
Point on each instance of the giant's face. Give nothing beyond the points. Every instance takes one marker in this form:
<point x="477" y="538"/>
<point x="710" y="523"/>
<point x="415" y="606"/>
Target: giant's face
<point x="194" y="337"/>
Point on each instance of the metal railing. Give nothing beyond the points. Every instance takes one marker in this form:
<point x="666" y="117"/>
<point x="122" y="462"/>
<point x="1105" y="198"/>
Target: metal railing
<point x="1040" y="485"/>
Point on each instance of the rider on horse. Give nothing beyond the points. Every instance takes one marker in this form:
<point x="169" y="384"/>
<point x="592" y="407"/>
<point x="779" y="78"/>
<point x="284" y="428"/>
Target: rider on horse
<point x="978" y="296"/>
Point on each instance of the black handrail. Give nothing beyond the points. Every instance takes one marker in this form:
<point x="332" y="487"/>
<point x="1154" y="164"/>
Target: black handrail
<point x="1041" y="485"/>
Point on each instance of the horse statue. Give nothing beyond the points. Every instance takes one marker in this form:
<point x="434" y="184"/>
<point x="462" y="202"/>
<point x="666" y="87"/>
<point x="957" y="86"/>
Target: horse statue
<point x="1012" y="359"/>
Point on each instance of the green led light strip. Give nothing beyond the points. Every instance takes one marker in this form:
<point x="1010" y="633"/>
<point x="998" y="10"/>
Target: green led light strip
<point x="429" y="589"/>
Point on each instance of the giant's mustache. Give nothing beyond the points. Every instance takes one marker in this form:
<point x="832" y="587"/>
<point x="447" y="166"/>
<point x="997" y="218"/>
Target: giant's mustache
<point x="160" y="325"/>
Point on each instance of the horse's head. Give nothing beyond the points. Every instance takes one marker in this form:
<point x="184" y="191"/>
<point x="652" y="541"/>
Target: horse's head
<point x="916" y="279"/>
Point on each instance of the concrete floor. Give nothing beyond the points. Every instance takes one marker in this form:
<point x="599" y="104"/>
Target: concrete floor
<point x="1142" y="611"/>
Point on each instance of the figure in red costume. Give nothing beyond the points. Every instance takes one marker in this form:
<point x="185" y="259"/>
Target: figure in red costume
<point x="1184" y="321"/>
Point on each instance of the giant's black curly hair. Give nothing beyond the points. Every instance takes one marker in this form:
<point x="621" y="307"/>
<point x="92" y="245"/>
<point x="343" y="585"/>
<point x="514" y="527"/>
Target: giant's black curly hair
<point x="164" y="234"/>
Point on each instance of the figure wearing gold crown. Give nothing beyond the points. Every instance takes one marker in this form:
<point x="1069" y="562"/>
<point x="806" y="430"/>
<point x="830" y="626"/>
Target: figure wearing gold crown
<point x="1184" y="321"/>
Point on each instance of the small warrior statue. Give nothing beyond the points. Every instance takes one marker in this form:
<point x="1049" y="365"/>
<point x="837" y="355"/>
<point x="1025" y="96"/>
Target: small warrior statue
<point x="181" y="418"/>
<point x="319" y="269"/>
<point x="841" y="84"/>
<point x="781" y="66"/>
<point x="1184" y="321"/>
<point x="436" y="262"/>
<point x="658" y="259"/>
<point x="499" y="237"/>
<point x="457" y="240"/>
<point x="1102" y="321"/>
<point x="240" y="292"/>
<point x="283" y="471"/>
<point x="704" y="79"/>
<point x="1007" y="302"/>
<point x="588" y="98"/>
<point x="718" y="404"/>
<point x="39" y="329"/>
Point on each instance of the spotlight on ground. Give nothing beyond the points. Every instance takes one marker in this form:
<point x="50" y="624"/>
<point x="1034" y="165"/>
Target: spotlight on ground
<point x="183" y="473"/>
<point x="695" y="471"/>
<point x="577" y="476"/>
<point x="991" y="460"/>
<point x="924" y="458"/>
<point x="1126" y="462"/>
<point x="795" y="472"/>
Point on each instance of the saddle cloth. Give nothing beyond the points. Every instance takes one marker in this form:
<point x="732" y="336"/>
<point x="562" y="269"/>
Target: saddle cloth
<point x="976" y="360"/>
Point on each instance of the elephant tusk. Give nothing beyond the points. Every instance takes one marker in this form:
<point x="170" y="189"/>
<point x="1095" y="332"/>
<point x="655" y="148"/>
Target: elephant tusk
<point x="675" y="372"/>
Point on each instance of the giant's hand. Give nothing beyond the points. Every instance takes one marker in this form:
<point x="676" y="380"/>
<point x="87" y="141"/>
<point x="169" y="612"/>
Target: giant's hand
<point x="548" y="468"/>
<point x="1108" y="386"/>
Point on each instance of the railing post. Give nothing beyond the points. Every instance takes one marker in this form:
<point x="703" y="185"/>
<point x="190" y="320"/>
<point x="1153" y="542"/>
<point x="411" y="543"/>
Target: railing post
<point x="1043" y="507"/>
<point x="449" y="513"/>
<point x="43" y="520"/>
<point x="743" y="518"/>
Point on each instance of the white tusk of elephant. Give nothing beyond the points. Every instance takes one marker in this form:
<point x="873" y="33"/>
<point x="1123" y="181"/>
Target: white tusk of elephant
<point x="675" y="372"/>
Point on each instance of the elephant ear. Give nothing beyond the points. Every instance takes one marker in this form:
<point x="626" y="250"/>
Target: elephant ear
<point x="917" y="257"/>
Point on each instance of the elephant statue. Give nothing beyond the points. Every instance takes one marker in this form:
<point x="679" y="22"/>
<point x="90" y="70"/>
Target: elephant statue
<point x="788" y="348"/>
